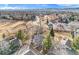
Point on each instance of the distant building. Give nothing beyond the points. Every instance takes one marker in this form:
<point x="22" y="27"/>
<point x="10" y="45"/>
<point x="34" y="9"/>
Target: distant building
<point x="76" y="32"/>
<point x="50" y="25"/>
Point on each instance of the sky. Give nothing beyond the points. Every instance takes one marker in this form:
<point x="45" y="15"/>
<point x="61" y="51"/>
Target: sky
<point x="32" y="6"/>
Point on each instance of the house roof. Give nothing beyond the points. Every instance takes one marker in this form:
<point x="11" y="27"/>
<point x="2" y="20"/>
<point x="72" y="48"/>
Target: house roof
<point x="61" y="27"/>
<point x="32" y="51"/>
<point x="27" y="50"/>
<point x="74" y="24"/>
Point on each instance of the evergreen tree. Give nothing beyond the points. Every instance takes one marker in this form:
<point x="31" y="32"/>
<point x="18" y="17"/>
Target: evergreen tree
<point x="52" y="32"/>
<point x="47" y="21"/>
<point x="3" y="35"/>
<point x="47" y="44"/>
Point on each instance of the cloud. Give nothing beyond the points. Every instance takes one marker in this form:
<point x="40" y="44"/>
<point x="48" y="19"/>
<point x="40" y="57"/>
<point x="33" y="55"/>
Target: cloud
<point x="12" y="8"/>
<point x="66" y="4"/>
<point x="69" y="5"/>
<point x="7" y="6"/>
<point x="45" y="5"/>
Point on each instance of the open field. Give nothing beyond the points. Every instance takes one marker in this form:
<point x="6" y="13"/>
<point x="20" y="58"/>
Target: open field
<point x="10" y="27"/>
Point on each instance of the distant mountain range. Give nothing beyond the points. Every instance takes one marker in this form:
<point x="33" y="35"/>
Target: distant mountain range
<point x="38" y="10"/>
<point x="43" y="9"/>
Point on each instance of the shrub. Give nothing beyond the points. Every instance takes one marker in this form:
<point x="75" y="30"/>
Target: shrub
<point x="76" y="43"/>
<point x="20" y="35"/>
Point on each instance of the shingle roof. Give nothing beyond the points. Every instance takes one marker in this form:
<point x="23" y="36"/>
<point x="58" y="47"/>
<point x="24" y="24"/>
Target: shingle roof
<point x="61" y="27"/>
